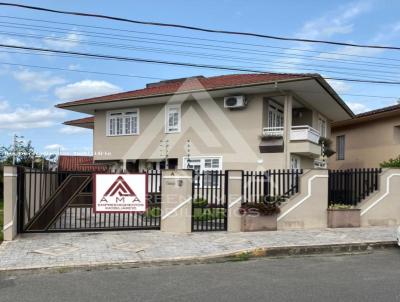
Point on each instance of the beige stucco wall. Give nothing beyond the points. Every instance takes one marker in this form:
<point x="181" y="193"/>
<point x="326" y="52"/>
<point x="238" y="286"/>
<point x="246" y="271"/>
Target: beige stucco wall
<point x="368" y="144"/>
<point x="383" y="207"/>
<point x="307" y="209"/>
<point x="212" y="129"/>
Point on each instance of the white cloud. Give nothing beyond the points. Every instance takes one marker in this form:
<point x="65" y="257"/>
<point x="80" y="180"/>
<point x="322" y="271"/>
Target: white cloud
<point x="358" y="107"/>
<point x="70" y="41"/>
<point x="55" y="147"/>
<point x="30" y="118"/>
<point x="74" y="66"/>
<point x="73" y="130"/>
<point x="86" y="89"/>
<point x="11" y="41"/>
<point x="37" y="81"/>
<point x="337" y="22"/>
<point x="339" y="86"/>
<point x="4" y="105"/>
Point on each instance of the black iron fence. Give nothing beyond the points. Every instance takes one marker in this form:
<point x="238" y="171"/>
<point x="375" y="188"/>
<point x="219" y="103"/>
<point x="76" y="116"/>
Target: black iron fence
<point x="209" y="204"/>
<point x="62" y="201"/>
<point x="353" y="185"/>
<point x="257" y="185"/>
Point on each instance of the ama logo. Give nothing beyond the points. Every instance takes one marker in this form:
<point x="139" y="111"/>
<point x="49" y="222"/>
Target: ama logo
<point x="120" y="190"/>
<point x="120" y="193"/>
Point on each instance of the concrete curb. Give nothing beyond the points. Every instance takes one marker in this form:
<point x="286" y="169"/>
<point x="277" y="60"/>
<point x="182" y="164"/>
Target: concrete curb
<point x="241" y="255"/>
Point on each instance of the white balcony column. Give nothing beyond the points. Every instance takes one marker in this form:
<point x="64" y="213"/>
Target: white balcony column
<point x="287" y="110"/>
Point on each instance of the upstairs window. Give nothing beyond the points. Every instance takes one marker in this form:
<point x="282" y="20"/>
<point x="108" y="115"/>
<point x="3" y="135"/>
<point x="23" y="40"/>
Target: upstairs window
<point x="340" y="147"/>
<point x="123" y="122"/>
<point x="275" y="116"/>
<point x="172" y="118"/>
<point x="322" y="126"/>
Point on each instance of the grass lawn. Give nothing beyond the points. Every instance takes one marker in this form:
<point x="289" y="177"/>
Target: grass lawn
<point x="1" y="220"/>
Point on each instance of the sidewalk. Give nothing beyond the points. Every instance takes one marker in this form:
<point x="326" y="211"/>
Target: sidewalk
<point x="55" y="250"/>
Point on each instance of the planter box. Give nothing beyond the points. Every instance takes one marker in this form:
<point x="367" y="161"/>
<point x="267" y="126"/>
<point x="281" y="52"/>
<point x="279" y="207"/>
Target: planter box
<point x="252" y="223"/>
<point x="344" y="218"/>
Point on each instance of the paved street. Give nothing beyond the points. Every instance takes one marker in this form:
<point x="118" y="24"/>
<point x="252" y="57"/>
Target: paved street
<point x="71" y="249"/>
<point x="362" y="277"/>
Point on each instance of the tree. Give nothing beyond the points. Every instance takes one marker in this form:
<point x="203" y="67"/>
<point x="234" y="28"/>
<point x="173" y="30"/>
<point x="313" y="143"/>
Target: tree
<point x="24" y="154"/>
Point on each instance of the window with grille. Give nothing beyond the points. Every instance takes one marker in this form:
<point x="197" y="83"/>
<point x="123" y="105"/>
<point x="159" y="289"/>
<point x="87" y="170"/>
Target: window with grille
<point x="172" y="118"/>
<point x="340" y="147"/>
<point x="123" y="123"/>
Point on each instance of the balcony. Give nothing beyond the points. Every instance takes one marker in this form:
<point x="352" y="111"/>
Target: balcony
<point x="273" y="132"/>
<point x="297" y="133"/>
<point x="304" y="133"/>
<point x="302" y="140"/>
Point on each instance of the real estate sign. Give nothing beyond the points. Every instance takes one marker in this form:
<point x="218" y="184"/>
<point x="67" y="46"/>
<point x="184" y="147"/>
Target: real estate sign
<point x="120" y="193"/>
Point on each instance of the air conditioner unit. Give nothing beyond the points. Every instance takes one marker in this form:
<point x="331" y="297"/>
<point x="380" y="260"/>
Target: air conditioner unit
<point x="233" y="102"/>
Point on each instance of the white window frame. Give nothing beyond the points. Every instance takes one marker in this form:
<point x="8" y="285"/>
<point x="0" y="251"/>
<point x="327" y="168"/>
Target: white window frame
<point x="275" y="115"/>
<point x="123" y="114"/>
<point x="202" y="160"/>
<point x="324" y="120"/>
<point x="167" y="111"/>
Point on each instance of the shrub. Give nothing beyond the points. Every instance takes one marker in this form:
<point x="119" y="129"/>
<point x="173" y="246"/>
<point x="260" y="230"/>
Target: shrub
<point x="267" y="205"/>
<point x="153" y="212"/>
<point x="209" y="214"/>
<point x="391" y="163"/>
<point x="200" y="202"/>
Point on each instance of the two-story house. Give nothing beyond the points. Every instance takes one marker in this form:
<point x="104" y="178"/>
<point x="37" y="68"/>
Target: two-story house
<point x="239" y="121"/>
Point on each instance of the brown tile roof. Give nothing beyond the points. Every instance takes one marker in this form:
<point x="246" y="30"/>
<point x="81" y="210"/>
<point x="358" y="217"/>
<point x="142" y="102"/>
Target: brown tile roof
<point x="79" y="164"/>
<point x="380" y="110"/>
<point x="369" y="116"/>
<point x="86" y="120"/>
<point x="192" y="84"/>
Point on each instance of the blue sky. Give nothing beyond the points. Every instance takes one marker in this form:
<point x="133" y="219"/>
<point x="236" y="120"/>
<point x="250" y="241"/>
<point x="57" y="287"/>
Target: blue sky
<point x="28" y="94"/>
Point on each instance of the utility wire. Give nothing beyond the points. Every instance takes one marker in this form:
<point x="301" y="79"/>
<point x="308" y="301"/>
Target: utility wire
<point x="237" y="68"/>
<point x="194" y="28"/>
<point x="193" y="38"/>
<point x="193" y="45"/>
<point x="161" y="79"/>
<point x="173" y="63"/>
<point x="198" y="55"/>
<point x="81" y="71"/>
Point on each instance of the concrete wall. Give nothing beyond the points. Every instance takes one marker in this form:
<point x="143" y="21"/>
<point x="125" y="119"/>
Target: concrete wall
<point x="383" y="207"/>
<point x="307" y="209"/>
<point x="176" y="203"/>
<point x="10" y="203"/>
<point x="368" y="144"/>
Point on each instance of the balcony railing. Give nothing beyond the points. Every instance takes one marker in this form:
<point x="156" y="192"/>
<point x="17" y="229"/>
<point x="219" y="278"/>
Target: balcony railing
<point x="272" y="131"/>
<point x="297" y="133"/>
<point x="304" y="133"/>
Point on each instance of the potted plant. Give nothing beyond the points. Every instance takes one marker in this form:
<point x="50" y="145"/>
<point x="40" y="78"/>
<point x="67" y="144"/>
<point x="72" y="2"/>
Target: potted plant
<point x="343" y="216"/>
<point x="262" y="215"/>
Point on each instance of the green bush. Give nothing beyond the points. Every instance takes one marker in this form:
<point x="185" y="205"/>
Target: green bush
<point x="200" y="202"/>
<point x="266" y="205"/>
<point x="208" y="214"/>
<point x="153" y="212"/>
<point x="391" y="163"/>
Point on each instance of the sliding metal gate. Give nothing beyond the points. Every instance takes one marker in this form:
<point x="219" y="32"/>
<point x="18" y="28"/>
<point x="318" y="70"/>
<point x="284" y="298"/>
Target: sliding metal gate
<point x="62" y="201"/>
